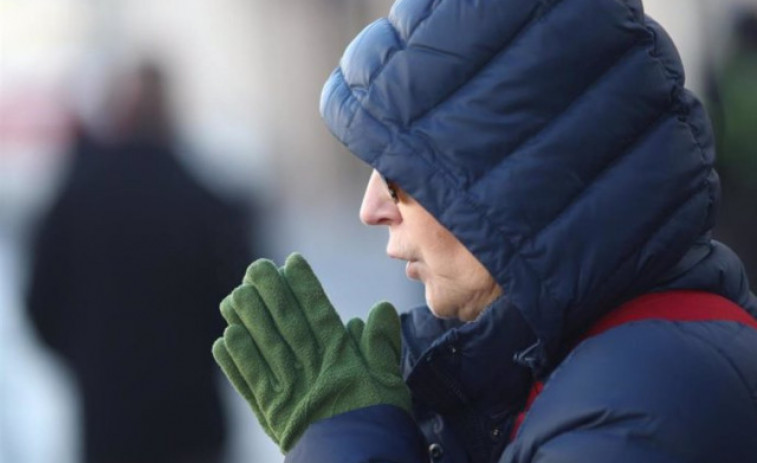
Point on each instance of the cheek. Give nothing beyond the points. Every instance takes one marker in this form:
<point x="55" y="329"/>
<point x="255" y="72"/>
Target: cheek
<point x="448" y="263"/>
<point x="442" y="251"/>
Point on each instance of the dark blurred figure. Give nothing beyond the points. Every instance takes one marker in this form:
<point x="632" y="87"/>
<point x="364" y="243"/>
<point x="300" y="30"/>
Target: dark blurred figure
<point x="129" y="266"/>
<point x="737" y="159"/>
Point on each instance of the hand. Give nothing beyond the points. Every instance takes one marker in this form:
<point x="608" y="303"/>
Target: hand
<point x="288" y="354"/>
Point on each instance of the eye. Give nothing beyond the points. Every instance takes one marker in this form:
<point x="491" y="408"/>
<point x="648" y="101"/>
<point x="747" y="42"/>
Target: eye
<point x="391" y="188"/>
<point x="392" y="192"/>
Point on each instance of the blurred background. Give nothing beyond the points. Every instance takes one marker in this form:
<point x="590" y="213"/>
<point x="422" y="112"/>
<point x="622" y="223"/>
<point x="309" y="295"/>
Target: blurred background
<point x="133" y="131"/>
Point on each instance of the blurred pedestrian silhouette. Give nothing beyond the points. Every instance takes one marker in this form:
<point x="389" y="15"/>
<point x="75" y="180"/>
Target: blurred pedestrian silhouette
<point x="128" y="267"/>
<point x="737" y="160"/>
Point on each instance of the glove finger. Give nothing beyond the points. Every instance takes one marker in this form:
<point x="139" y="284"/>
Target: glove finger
<point x="256" y="319"/>
<point x="224" y="360"/>
<point x="324" y="322"/>
<point x="381" y="342"/>
<point x="355" y="329"/>
<point x="285" y="312"/>
<point x="252" y="365"/>
<point x="227" y="311"/>
<point x="253" y="272"/>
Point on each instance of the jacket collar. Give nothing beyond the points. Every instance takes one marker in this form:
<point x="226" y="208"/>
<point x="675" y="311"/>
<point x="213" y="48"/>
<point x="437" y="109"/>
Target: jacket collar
<point x="489" y="364"/>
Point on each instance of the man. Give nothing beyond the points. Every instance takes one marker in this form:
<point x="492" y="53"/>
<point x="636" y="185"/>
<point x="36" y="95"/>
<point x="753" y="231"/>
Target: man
<point x="549" y="180"/>
<point x="126" y="266"/>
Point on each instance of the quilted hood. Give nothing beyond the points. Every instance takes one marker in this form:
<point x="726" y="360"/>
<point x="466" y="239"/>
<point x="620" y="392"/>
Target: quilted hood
<point x="554" y="138"/>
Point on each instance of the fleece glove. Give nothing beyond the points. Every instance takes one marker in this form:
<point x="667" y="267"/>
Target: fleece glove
<point x="288" y="354"/>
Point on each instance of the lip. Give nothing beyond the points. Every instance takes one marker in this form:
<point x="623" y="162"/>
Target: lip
<point x="411" y="270"/>
<point x="411" y="266"/>
<point x="394" y="254"/>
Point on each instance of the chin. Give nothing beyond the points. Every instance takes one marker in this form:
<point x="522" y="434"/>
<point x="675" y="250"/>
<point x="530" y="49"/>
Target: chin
<point x="440" y="309"/>
<point x="449" y="309"/>
<point x="441" y="315"/>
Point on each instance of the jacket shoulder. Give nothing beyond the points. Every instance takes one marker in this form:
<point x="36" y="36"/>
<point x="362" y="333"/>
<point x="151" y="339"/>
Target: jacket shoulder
<point x="654" y="391"/>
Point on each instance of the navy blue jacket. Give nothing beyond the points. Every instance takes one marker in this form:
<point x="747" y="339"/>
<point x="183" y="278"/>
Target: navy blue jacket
<point x="556" y="141"/>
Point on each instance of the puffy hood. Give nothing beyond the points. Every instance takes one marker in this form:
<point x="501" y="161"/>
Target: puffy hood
<point x="554" y="138"/>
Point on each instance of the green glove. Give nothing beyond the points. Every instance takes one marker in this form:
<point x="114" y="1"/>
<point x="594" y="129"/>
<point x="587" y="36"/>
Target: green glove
<point x="288" y="354"/>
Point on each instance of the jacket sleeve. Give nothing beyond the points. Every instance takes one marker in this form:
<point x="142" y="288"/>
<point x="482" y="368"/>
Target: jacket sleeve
<point x="652" y="391"/>
<point x="377" y="434"/>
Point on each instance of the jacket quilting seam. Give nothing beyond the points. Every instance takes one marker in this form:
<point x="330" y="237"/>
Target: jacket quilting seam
<point x="351" y="93"/>
<point x="675" y="107"/>
<point x="752" y="394"/>
<point x="579" y="97"/>
<point x="431" y="8"/>
<point x="695" y="136"/>
<point x="403" y="45"/>
<point x="542" y="15"/>
<point x="609" y="166"/>
<point x="354" y="88"/>
<point x="677" y="100"/>
<point x="666" y="217"/>
<point x="360" y="107"/>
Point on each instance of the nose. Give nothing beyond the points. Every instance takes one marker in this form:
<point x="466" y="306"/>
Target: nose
<point x="378" y="207"/>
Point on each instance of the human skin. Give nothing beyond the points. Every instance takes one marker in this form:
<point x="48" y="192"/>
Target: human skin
<point x="456" y="284"/>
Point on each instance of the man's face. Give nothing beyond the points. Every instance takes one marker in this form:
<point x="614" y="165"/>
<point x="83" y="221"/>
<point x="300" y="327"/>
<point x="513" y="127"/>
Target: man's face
<point x="457" y="284"/>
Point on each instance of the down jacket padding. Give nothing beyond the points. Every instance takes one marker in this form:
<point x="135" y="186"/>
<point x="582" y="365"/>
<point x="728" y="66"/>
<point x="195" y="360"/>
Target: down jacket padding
<point x="556" y="140"/>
